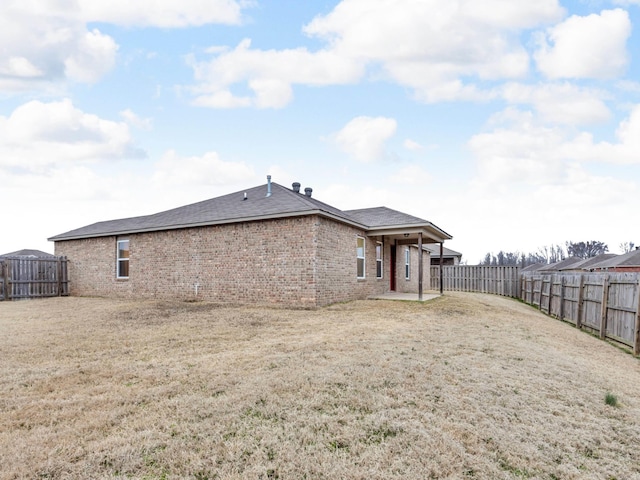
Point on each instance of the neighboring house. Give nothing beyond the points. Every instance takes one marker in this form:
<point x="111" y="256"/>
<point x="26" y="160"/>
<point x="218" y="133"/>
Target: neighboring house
<point x="559" y="266"/>
<point x="629" y="262"/>
<point x="449" y="257"/>
<point x="268" y="244"/>
<point x="588" y="263"/>
<point x="27" y="253"/>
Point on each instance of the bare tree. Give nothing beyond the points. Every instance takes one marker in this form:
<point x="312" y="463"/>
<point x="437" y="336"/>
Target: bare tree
<point x="626" y="247"/>
<point x="551" y="253"/>
<point x="588" y="249"/>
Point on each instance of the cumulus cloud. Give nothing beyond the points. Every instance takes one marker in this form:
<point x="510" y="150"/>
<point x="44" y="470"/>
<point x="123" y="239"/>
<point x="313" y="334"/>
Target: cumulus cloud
<point x="364" y="138"/>
<point x="560" y="102"/>
<point x="585" y="47"/>
<point x="205" y="170"/>
<point x="38" y="135"/>
<point x="270" y="74"/>
<point x="436" y="48"/>
<point x="519" y="150"/>
<point x="162" y="13"/>
<point x="46" y="43"/>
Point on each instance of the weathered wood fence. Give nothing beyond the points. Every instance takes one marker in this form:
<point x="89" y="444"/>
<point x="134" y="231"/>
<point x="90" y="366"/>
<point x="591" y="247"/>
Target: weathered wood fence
<point x="502" y="280"/>
<point x="605" y="303"/>
<point x="22" y="277"/>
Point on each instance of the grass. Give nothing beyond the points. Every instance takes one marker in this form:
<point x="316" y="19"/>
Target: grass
<point x="464" y="386"/>
<point x="611" y="400"/>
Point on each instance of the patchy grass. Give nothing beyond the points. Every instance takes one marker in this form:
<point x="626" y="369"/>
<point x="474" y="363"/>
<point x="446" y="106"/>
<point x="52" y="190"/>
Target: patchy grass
<point x="464" y="386"/>
<point x="611" y="400"/>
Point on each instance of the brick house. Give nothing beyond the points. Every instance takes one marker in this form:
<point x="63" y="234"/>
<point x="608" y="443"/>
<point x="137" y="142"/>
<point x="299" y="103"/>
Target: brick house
<point x="628" y="262"/>
<point x="265" y="245"/>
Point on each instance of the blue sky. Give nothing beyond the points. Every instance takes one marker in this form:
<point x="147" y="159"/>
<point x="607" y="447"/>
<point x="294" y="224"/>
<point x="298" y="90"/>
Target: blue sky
<point x="509" y="124"/>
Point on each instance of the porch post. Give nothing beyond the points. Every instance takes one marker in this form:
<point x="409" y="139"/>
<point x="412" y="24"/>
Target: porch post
<point x="441" y="278"/>
<point x="420" y="266"/>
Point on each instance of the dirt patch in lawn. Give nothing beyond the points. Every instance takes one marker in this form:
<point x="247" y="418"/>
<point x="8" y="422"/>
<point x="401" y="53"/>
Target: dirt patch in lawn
<point x="463" y="386"/>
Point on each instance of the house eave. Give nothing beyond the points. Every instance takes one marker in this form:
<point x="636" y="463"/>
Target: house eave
<point x="409" y="233"/>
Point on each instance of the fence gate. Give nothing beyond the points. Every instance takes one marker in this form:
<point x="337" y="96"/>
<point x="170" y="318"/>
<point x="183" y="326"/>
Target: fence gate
<point x="25" y="277"/>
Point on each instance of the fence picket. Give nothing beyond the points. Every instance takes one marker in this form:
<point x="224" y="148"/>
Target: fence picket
<point x="22" y="277"/>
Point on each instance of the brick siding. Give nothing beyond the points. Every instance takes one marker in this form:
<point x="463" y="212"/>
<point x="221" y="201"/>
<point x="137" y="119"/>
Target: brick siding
<point x="303" y="262"/>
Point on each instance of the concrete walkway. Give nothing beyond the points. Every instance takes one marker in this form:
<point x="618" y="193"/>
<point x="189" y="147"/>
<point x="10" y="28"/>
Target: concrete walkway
<point x="412" y="297"/>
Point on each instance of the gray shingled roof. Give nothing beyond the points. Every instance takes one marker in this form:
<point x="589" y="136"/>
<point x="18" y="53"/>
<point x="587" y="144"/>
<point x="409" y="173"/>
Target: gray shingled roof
<point x="434" y="248"/>
<point x="590" y="262"/>
<point x="629" y="259"/>
<point x="232" y="208"/>
<point x="225" y="209"/>
<point x="383" y="216"/>
<point x="28" y="253"/>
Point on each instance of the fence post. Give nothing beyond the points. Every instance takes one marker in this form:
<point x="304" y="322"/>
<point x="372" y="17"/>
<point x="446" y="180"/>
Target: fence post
<point x="605" y="302"/>
<point x="562" y="282"/>
<point x="636" y="336"/>
<point x="580" y="300"/>
<point x="5" y="279"/>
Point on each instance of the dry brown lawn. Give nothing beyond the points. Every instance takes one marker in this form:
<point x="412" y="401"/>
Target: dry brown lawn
<point x="463" y="386"/>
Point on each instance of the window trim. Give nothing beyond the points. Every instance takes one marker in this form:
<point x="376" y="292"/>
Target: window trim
<point x="407" y="263"/>
<point x="379" y="260"/>
<point x="361" y="259"/>
<point x="121" y="260"/>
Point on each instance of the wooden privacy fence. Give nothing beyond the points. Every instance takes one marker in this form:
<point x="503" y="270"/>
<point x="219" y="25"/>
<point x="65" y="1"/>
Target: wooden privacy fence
<point x="499" y="280"/>
<point x="605" y="303"/>
<point x="22" y="277"/>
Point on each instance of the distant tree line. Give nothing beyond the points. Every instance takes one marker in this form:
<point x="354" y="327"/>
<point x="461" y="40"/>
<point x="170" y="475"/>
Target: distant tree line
<point x="552" y="253"/>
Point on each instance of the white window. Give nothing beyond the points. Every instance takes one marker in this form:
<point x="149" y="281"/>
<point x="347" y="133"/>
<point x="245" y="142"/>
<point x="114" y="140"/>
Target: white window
<point x="123" y="258"/>
<point x="360" y="257"/>
<point x="407" y="264"/>
<point x="379" y="259"/>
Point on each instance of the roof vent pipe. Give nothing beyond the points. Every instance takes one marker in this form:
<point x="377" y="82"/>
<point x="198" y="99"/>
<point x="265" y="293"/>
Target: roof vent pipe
<point x="268" y="185"/>
<point x="296" y="187"/>
<point x="307" y="191"/>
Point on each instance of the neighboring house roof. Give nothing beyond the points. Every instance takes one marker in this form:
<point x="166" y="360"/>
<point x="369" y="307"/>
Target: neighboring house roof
<point x="28" y="253"/>
<point x="629" y="259"/>
<point x="588" y="263"/>
<point x="534" y="267"/>
<point x="561" y="264"/>
<point x="434" y="248"/>
<point x="234" y="208"/>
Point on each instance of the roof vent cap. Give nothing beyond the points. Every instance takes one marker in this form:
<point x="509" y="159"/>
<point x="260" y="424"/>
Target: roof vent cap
<point x="296" y="187"/>
<point x="307" y="191"/>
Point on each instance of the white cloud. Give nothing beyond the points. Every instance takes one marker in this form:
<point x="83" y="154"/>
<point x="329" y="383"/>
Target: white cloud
<point x="364" y="138"/>
<point x="586" y="47"/>
<point x="437" y="47"/>
<point x="205" y="170"/>
<point x="520" y="151"/>
<point x="268" y="73"/>
<point x="162" y="13"/>
<point x="412" y="145"/>
<point x="560" y="102"/>
<point x="37" y="136"/>
<point x="133" y="119"/>
<point x="412" y="175"/>
<point x="45" y="43"/>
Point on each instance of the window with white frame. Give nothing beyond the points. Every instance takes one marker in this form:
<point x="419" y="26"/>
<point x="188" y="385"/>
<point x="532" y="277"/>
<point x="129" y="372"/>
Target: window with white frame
<point x="360" y="257"/>
<point x="122" y="258"/>
<point x="379" y="263"/>
<point x="407" y="264"/>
